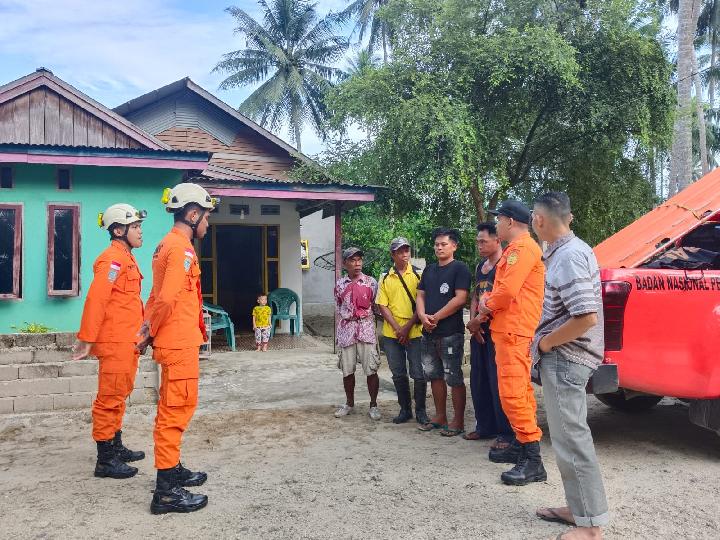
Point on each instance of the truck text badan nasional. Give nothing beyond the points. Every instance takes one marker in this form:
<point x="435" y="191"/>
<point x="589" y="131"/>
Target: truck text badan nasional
<point x="661" y="297"/>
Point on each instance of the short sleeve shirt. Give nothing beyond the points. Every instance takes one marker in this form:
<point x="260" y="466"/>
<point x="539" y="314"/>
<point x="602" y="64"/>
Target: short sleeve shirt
<point x="483" y="285"/>
<point x="262" y="316"/>
<point x="440" y="284"/>
<point x="350" y="329"/>
<point x="393" y="295"/>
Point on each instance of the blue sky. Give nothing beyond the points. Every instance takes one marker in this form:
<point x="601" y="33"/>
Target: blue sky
<point x="117" y="50"/>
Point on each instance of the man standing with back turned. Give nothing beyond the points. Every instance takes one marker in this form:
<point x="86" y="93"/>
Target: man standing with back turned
<point x="175" y="327"/>
<point x="515" y="304"/>
<point x="569" y="346"/>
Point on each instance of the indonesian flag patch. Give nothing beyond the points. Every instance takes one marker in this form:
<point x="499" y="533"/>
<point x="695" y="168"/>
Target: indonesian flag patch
<point x="114" y="269"/>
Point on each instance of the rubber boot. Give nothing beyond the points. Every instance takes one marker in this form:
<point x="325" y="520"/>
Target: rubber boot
<point x="171" y="497"/>
<point x="506" y="455"/>
<point x="125" y="454"/>
<point x="402" y="387"/>
<point x="109" y="465"/>
<point x="188" y="478"/>
<point x="529" y="467"/>
<point x="420" y="393"/>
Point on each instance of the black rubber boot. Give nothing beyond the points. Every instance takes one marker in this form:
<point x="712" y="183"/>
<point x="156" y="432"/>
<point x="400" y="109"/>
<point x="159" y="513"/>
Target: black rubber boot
<point x="170" y="497"/>
<point x="420" y="393"/>
<point x="125" y="454"/>
<point x="402" y="387"/>
<point x="188" y="478"/>
<point x="529" y="467"/>
<point x="506" y="455"/>
<point x="109" y="465"/>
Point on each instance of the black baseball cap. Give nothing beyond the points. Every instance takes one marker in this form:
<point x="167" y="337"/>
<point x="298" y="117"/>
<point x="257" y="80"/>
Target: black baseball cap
<point x="513" y="209"/>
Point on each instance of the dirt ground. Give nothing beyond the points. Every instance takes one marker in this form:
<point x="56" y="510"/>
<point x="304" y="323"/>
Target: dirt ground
<point x="281" y="466"/>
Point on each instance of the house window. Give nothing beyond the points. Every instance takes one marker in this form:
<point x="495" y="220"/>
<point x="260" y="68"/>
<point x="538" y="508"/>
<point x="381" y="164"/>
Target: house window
<point x="270" y="209"/>
<point x="6" y="177"/>
<point x="242" y="210"/>
<point x="10" y="251"/>
<point x="63" y="249"/>
<point x="64" y="180"/>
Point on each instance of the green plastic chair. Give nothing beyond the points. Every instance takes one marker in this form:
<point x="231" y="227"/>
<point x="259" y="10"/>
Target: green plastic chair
<point x="281" y="300"/>
<point x="221" y="321"/>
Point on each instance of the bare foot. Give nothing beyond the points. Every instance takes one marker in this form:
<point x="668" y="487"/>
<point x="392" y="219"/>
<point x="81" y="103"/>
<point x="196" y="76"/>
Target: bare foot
<point x="442" y="420"/>
<point x="561" y="514"/>
<point x="581" y="533"/>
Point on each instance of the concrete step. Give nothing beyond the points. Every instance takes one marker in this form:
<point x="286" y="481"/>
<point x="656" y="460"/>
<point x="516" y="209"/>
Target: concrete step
<point x="51" y="370"/>
<point x="10" y="357"/>
<point x="65" y="385"/>
<point x="74" y="400"/>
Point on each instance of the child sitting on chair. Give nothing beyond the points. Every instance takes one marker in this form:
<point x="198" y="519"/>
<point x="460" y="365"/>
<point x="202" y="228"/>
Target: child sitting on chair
<point x="261" y="315"/>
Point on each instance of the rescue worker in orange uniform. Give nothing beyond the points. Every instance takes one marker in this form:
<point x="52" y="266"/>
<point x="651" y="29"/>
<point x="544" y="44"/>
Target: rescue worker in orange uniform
<point x="112" y="315"/>
<point x="515" y="305"/>
<point x="174" y="325"/>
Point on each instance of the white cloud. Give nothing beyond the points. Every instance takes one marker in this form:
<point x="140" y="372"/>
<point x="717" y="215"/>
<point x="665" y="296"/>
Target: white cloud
<point x="115" y="51"/>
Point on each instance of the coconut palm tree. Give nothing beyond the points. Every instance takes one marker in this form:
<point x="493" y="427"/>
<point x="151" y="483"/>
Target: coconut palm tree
<point x="291" y="54"/>
<point x="365" y="14"/>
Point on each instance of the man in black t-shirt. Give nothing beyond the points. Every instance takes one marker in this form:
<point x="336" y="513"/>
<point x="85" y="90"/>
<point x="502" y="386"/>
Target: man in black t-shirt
<point x="442" y="293"/>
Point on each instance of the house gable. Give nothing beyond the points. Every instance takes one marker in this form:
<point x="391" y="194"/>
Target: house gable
<point x="187" y="117"/>
<point x="41" y="109"/>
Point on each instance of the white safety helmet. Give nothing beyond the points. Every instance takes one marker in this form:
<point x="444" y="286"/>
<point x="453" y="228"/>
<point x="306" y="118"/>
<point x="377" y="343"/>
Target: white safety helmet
<point x="183" y="194"/>
<point x="122" y="214"/>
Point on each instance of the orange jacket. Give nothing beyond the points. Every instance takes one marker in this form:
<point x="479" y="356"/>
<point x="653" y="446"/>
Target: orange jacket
<point x="174" y="308"/>
<point x="517" y="296"/>
<point x="113" y="309"/>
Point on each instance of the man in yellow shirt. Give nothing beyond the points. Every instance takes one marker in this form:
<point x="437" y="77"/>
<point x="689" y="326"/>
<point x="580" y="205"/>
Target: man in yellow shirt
<point x="402" y="331"/>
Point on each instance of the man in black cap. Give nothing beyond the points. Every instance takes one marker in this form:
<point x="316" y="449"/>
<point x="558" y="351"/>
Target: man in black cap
<point x="355" y="333"/>
<point x="515" y="304"/>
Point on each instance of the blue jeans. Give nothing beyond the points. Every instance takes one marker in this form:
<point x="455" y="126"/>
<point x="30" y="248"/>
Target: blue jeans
<point x="442" y="357"/>
<point x="489" y="416"/>
<point x="400" y="357"/>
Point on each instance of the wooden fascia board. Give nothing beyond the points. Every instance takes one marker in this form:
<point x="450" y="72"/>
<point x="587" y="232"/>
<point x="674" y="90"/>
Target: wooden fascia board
<point x="26" y="85"/>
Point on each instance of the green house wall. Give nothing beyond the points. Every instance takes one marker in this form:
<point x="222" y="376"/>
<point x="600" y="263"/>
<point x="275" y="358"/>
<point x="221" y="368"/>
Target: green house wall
<point x="94" y="189"/>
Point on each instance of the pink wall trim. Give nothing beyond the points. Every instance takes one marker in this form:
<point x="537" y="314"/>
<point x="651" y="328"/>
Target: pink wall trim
<point x="289" y="194"/>
<point x="151" y="163"/>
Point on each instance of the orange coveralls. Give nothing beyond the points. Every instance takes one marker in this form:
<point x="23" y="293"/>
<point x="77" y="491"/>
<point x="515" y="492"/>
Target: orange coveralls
<point x="174" y="311"/>
<point x="111" y="318"/>
<point x="516" y="304"/>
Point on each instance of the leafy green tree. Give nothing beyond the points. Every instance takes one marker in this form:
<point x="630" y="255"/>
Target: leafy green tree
<point x="292" y="54"/>
<point x="488" y="99"/>
<point x="365" y="13"/>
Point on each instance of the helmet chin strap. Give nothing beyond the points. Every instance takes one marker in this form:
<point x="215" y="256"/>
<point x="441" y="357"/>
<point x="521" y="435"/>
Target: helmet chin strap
<point x="124" y="238"/>
<point x="194" y="226"/>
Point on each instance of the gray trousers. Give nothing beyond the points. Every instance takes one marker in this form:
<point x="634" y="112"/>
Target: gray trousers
<point x="563" y="385"/>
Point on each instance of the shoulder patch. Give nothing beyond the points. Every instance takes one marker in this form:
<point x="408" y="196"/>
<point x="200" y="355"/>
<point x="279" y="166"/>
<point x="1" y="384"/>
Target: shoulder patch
<point x="114" y="270"/>
<point x="512" y="258"/>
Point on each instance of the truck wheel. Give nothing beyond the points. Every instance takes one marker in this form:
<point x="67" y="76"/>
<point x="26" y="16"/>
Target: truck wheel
<point x="617" y="400"/>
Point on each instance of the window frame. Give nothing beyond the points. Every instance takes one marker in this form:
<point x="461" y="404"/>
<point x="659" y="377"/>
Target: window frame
<point x="75" y="290"/>
<point x="57" y="178"/>
<point x="18" y="248"/>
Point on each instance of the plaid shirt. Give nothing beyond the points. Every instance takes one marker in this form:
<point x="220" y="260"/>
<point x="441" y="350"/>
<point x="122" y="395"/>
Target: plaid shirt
<point x="351" y="330"/>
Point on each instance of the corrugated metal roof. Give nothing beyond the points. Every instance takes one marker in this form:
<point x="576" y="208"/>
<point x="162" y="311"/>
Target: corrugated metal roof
<point x="99" y="151"/>
<point x="649" y="235"/>
<point x="270" y="183"/>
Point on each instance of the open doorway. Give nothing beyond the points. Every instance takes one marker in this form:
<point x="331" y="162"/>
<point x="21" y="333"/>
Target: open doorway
<point x="238" y="262"/>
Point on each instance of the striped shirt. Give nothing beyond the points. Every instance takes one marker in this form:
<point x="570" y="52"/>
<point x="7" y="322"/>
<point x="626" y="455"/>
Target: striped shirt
<point x="572" y="288"/>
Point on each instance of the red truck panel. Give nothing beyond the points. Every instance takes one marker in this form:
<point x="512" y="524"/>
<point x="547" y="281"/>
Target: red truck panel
<point x="671" y="334"/>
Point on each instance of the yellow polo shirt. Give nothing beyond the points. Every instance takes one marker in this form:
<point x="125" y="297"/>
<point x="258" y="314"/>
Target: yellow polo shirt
<point x="392" y="295"/>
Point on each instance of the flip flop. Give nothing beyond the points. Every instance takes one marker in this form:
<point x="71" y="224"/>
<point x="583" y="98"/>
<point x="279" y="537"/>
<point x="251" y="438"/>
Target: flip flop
<point x="430" y="426"/>
<point x="451" y="432"/>
<point x="553" y="517"/>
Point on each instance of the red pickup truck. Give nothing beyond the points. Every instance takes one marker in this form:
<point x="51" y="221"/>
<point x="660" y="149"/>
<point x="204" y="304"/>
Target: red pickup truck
<point x="661" y="294"/>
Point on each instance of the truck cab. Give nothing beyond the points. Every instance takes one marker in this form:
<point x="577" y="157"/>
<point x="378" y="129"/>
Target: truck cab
<point x="661" y="298"/>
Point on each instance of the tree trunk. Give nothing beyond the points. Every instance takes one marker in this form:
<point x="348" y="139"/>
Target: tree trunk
<point x="479" y="202"/>
<point x="384" y="41"/>
<point x="700" y="111"/>
<point x="711" y="79"/>
<point x="681" y="156"/>
<point x="296" y="135"/>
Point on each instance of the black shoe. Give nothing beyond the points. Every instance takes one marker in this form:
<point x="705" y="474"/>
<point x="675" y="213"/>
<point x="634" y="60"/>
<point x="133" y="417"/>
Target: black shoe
<point x="529" y="467"/>
<point x="109" y="465"/>
<point x="506" y="455"/>
<point x="420" y="392"/>
<point x="402" y="387"/>
<point x="170" y="497"/>
<point x="125" y="454"/>
<point x="188" y="478"/>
